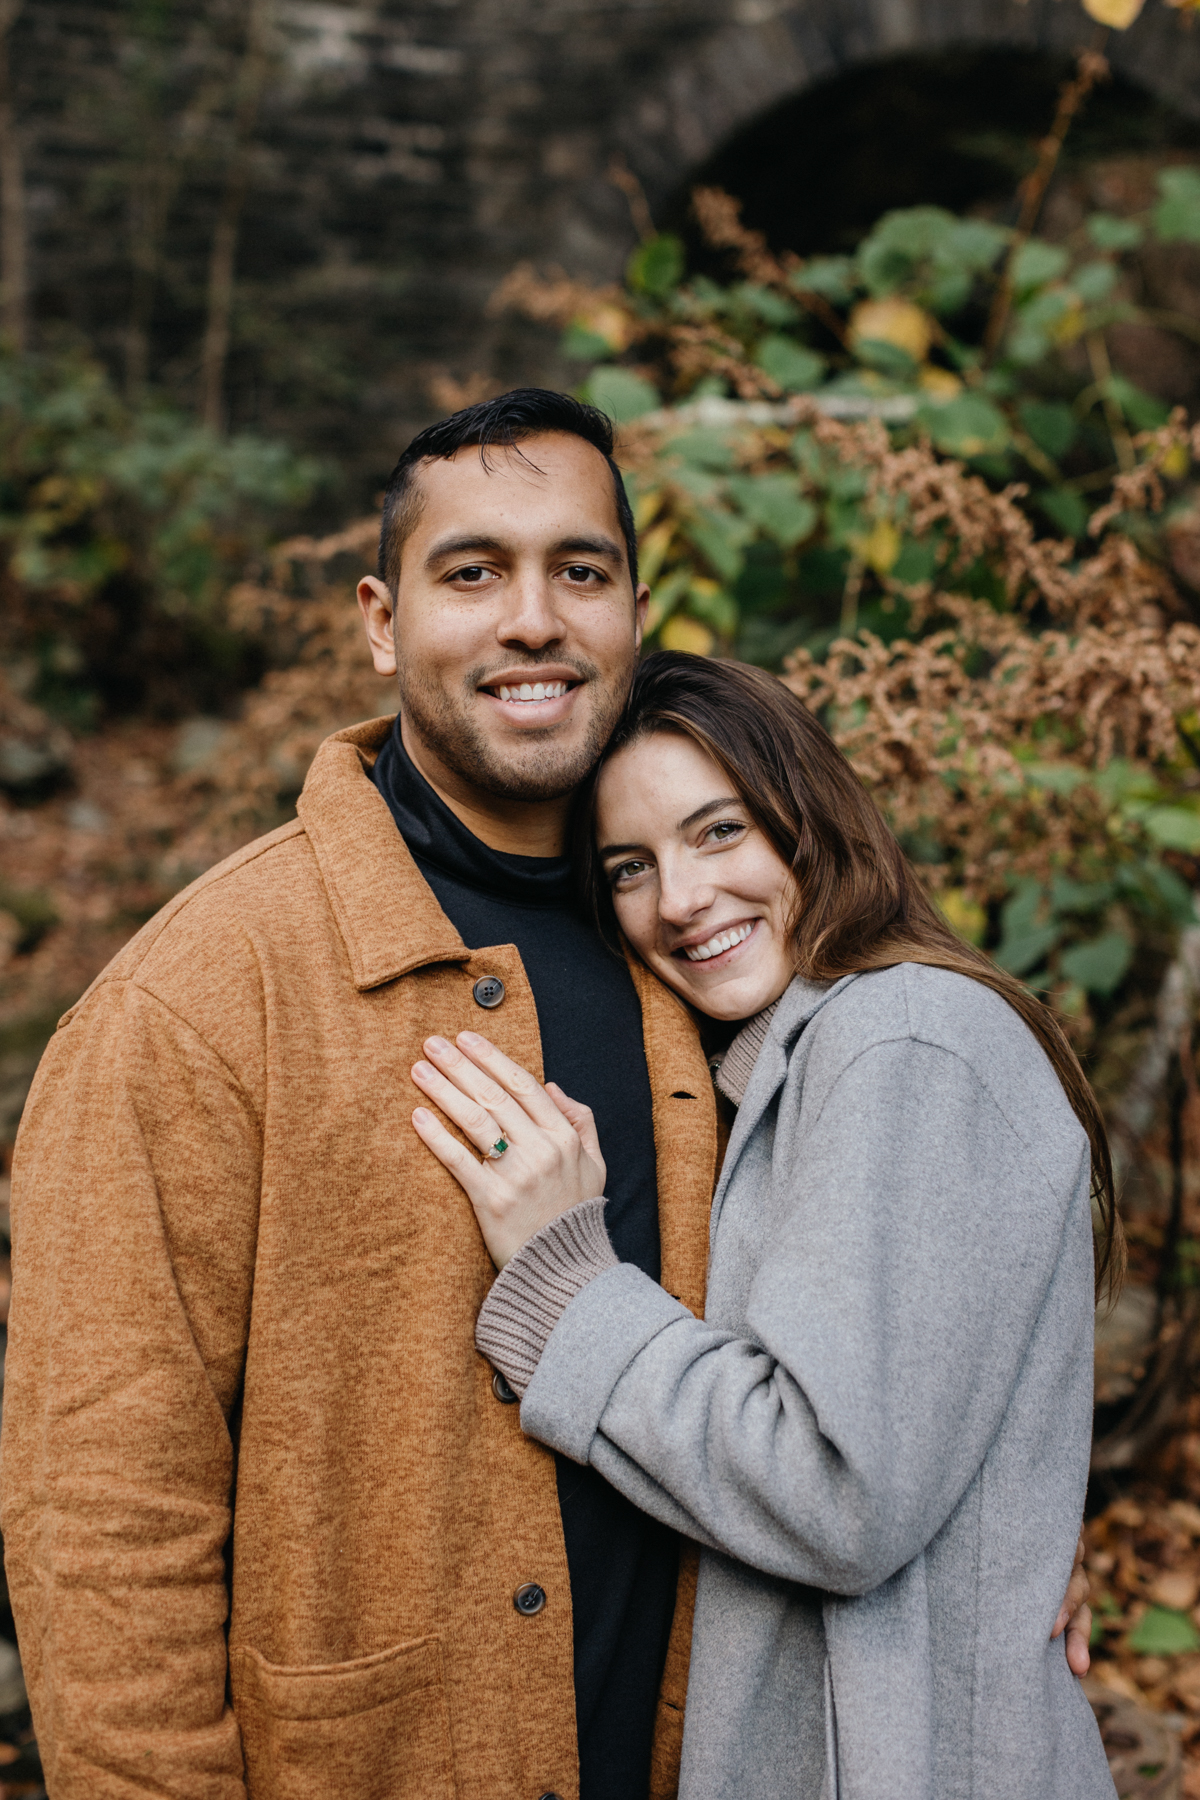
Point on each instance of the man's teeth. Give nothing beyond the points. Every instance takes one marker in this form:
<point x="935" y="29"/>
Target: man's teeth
<point x="536" y="690"/>
<point x="724" y="940"/>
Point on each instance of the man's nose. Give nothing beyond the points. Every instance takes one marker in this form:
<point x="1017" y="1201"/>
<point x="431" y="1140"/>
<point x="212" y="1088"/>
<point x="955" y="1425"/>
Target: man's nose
<point x="532" y="617"/>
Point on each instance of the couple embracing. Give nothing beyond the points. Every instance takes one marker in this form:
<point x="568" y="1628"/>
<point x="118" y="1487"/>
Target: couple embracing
<point x="555" y="1274"/>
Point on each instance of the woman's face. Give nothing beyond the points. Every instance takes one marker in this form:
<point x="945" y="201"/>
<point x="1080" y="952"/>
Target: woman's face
<point x="700" y="893"/>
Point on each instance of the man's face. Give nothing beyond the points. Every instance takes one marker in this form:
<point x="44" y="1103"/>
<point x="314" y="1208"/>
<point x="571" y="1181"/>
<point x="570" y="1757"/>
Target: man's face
<point x="516" y="626"/>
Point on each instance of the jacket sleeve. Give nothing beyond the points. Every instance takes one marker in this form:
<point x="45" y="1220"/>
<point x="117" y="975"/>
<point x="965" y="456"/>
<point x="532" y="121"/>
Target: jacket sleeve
<point x="887" y="1326"/>
<point x="135" y="1199"/>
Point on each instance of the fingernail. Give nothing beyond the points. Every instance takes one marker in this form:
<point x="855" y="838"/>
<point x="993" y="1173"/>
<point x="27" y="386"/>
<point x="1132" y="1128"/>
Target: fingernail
<point x="470" y="1037"/>
<point x="420" y="1113"/>
<point x="436" y="1044"/>
<point x="424" y="1070"/>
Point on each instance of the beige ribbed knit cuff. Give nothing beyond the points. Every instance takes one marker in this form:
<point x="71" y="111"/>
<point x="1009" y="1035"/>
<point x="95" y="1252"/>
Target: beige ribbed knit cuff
<point x="533" y="1291"/>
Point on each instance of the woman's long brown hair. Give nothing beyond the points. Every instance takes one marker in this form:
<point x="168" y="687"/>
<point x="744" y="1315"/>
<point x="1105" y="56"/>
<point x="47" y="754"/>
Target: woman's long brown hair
<point x="860" y="904"/>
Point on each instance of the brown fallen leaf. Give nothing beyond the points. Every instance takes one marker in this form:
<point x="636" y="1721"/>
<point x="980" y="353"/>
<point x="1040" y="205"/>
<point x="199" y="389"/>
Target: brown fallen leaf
<point x="1176" y="1589"/>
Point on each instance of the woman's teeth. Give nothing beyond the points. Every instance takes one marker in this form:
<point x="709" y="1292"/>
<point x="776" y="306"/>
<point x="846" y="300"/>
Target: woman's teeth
<point x="536" y="690"/>
<point x="724" y="940"/>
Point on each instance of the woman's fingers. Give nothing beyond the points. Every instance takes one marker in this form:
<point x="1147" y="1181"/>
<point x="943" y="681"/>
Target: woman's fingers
<point x="524" y="1088"/>
<point x="450" y="1153"/>
<point x="474" y="1120"/>
<point x="581" y="1119"/>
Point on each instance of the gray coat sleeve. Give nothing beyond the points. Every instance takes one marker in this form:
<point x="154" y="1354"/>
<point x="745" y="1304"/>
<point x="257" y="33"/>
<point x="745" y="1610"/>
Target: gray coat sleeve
<point x="901" y="1279"/>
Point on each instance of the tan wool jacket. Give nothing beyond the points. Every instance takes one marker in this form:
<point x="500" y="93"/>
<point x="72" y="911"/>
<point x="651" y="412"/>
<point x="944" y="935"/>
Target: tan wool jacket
<point x="264" y="1514"/>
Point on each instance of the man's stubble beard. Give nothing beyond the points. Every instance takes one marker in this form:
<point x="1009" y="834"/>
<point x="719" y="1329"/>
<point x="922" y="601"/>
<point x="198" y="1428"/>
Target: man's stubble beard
<point x="546" y="771"/>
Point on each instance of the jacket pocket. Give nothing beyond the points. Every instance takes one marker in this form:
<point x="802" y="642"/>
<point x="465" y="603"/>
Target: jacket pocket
<point x="374" y="1729"/>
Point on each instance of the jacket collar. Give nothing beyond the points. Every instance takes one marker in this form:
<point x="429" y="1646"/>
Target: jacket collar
<point x="800" y="1003"/>
<point x="385" y="911"/>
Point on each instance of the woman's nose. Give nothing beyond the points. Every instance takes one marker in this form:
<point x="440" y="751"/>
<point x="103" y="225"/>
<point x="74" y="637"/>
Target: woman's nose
<point x="681" y="899"/>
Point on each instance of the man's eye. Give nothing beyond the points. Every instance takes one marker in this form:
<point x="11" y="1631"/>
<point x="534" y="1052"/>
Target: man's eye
<point x="473" y="573"/>
<point x="581" y="572"/>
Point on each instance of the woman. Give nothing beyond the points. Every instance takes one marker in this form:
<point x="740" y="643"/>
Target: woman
<point x="880" y="1429"/>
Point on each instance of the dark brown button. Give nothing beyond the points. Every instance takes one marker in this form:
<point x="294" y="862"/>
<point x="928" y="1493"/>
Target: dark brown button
<point x="488" y="991"/>
<point x="529" y="1599"/>
<point x="502" y="1391"/>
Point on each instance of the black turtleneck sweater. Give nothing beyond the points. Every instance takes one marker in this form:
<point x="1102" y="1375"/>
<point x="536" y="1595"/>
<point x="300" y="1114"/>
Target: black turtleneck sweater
<point x="622" y="1564"/>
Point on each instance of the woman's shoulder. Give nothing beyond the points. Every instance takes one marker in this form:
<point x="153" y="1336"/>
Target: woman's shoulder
<point x="948" y="1013"/>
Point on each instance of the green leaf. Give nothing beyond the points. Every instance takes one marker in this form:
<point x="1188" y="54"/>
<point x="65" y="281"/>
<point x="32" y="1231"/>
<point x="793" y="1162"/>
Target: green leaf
<point x="1174" y="827"/>
<point x="1050" y="423"/>
<point x="917" y="561"/>
<point x="1100" y="964"/>
<point x="833" y="277"/>
<point x="720" y="538"/>
<point x="1177" y="215"/>
<point x="1079" y="896"/>
<point x="717" y="609"/>
<point x="1020" y="952"/>
<point x="1065" y="509"/>
<point x="1094" y="282"/>
<point x="1160" y="1632"/>
<point x="706" y="448"/>
<point x="583" y="345"/>
<point x="656" y="266"/>
<point x="1144" y="411"/>
<point x="1108" y="232"/>
<point x="888" y="359"/>
<point x="795" y="368"/>
<point x="968" y="426"/>
<point x="772" y="502"/>
<point x="774" y="309"/>
<point x="620" y="393"/>
<point x="930" y="253"/>
<point x="1036" y="263"/>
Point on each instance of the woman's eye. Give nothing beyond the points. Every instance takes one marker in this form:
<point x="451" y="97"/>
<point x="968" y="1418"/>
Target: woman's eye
<point x="724" y="830"/>
<point x="627" y="871"/>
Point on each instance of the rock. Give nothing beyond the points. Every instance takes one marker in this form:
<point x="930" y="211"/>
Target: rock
<point x="199" y="743"/>
<point x="13" y="1698"/>
<point x="1124" y="1337"/>
<point x="1143" y="1748"/>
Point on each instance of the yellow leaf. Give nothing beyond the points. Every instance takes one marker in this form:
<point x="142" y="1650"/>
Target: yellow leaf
<point x="1120" y="14"/>
<point x="608" y="322"/>
<point x="1177" y="461"/>
<point x="893" y="321"/>
<point x="963" y="914"/>
<point x="939" y="384"/>
<point x="652" y="549"/>
<point x="682" y="633"/>
<point x="649" y="505"/>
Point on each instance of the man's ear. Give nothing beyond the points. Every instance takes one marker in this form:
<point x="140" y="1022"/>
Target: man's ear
<point x="640" y="603"/>
<point x="378" y="610"/>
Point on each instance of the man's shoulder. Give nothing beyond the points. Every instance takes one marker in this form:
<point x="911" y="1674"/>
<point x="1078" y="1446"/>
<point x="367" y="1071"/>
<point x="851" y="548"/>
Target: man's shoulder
<point x="212" y="919"/>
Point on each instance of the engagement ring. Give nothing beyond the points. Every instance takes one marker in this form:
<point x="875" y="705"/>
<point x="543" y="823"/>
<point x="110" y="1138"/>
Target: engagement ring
<point x="497" y="1150"/>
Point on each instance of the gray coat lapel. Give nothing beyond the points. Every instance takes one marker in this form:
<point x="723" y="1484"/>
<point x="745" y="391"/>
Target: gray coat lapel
<point x="799" y="1003"/>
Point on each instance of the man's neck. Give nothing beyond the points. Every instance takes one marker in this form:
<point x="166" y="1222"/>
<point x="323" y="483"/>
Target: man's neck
<point x="515" y="827"/>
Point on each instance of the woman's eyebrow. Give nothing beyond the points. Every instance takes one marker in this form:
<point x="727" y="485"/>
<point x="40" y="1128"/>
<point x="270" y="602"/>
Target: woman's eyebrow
<point x="702" y="812"/>
<point x="618" y="849"/>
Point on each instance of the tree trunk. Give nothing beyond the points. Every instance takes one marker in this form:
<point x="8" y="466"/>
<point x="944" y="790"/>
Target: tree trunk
<point x="14" y="222"/>
<point x="223" y="256"/>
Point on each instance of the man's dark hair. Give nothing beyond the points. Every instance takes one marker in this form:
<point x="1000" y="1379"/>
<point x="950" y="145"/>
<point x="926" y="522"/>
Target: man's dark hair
<point x="507" y="420"/>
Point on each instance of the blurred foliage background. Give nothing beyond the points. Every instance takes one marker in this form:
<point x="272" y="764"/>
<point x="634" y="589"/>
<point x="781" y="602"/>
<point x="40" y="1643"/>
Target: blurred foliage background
<point x="942" y="475"/>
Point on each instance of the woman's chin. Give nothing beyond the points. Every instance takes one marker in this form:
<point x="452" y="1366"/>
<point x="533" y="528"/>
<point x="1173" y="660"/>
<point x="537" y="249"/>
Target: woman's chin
<point x="731" y="993"/>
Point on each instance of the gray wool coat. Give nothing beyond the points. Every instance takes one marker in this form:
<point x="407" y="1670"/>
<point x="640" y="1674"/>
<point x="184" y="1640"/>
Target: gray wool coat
<point x="880" y="1430"/>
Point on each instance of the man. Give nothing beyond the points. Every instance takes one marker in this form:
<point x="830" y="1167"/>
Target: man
<point x="272" y="1528"/>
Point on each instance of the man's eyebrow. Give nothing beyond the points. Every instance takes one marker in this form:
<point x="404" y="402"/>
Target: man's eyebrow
<point x="462" y="545"/>
<point x="589" y="546"/>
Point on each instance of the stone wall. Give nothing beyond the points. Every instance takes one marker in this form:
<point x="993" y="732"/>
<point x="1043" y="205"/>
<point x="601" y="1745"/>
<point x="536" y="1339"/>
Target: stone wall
<point x="407" y="155"/>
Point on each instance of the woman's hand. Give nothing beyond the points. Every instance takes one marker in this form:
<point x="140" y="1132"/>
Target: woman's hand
<point x="1075" y="1617"/>
<point x="552" y="1160"/>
